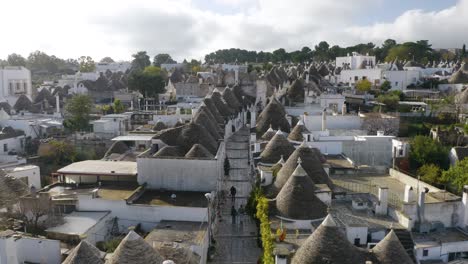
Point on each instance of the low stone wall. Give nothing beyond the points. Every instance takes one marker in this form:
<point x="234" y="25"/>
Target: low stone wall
<point x="408" y="180"/>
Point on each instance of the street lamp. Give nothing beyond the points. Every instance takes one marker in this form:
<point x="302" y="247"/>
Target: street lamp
<point x="208" y="197"/>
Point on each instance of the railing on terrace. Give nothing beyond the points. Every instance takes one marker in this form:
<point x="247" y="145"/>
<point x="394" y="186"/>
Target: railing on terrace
<point x="394" y="200"/>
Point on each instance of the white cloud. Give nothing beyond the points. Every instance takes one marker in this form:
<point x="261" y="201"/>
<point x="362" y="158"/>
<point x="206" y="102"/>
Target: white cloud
<point x="119" y="28"/>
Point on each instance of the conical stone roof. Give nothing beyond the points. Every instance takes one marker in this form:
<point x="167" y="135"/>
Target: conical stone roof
<point x="231" y="99"/>
<point x="390" y="250"/>
<point x="311" y="163"/>
<point x="298" y="131"/>
<point x="296" y="91"/>
<point x="23" y="103"/>
<point x="169" y="152"/>
<point x="194" y="133"/>
<point x="269" y="134"/>
<point x="273" y="115"/>
<point x="278" y="146"/>
<point x="222" y="106"/>
<point x="213" y="109"/>
<point x="297" y="200"/>
<point x="134" y="250"/>
<point x="198" y="151"/>
<point x="203" y="118"/>
<point x="84" y="253"/>
<point x="328" y="245"/>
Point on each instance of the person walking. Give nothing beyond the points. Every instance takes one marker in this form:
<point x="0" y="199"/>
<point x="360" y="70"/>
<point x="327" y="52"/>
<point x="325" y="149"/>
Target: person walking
<point x="241" y="212"/>
<point x="233" y="214"/>
<point x="233" y="194"/>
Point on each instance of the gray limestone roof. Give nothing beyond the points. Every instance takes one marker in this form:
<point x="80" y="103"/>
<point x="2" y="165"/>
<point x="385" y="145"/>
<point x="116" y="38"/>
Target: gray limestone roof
<point x="134" y="250"/>
<point x="328" y="245"/>
<point x="311" y="163"/>
<point x="298" y="131"/>
<point x="390" y="250"/>
<point x="84" y="253"/>
<point x="297" y="199"/>
<point x="198" y="151"/>
<point x="278" y="146"/>
<point x="273" y="115"/>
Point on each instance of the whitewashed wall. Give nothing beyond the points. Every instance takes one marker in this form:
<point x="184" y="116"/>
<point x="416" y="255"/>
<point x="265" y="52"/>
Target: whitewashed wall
<point x="353" y="232"/>
<point x="147" y="215"/>
<point x="170" y="120"/>
<point x="370" y="150"/>
<point x="182" y="174"/>
<point x="13" y="144"/>
<point x="32" y="172"/>
<point x="314" y="123"/>
<point x="32" y="250"/>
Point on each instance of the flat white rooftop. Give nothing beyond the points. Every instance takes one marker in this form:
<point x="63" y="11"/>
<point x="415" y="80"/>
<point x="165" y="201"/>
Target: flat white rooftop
<point x="78" y="223"/>
<point x="100" y="167"/>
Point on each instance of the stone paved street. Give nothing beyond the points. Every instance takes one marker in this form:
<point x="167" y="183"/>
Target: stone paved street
<point x="237" y="243"/>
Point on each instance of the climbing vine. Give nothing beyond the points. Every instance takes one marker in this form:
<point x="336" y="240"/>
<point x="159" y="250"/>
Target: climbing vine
<point x="265" y="230"/>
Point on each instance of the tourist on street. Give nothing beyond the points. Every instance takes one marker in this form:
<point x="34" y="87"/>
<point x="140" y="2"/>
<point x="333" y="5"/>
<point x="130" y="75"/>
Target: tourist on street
<point x="233" y="193"/>
<point x="233" y="214"/>
<point x="241" y="212"/>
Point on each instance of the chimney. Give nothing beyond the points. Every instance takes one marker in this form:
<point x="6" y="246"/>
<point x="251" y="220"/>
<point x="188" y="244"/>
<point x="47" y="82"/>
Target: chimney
<point x="421" y="204"/>
<point x="343" y="109"/>
<point x="289" y="118"/>
<point x="465" y="206"/>
<point x="324" y="119"/>
<point x="57" y="103"/>
<point x="380" y="133"/>
<point x="382" y="206"/>
<point x="409" y="194"/>
<point x="307" y="78"/>
<point x="253" y="118"/>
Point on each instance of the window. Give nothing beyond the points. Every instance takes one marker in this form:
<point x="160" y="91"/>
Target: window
<point x="356" y="78"/>
<point x="400" y="152"/>
<point x="5" y="147"/>
<point x="425" y="252"/>
<point x="396" y="83"/>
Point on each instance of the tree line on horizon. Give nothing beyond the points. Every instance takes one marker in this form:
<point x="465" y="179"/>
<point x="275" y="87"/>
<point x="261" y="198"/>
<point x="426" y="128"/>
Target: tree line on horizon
<point x="420" y="51"/>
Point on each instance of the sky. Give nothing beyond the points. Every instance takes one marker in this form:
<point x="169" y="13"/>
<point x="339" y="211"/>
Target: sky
<point x="192" y="28"/>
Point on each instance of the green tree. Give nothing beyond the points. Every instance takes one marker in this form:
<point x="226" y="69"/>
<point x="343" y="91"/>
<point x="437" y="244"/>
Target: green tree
<point x="149" y="82"/>
<point x="59" y="153"/>
<point x="424" y="150"/>
<point x="390" y="100"/>
<point x="87" y="64"/>
<point x="280" y="55"/>
<point x="78" y="110"/>
<point x="152" y="70"/>
<point x="321" y="51"/>
<point x="386" y="85"/>
<point x="140" y="61"/>
<point x="16" y="60"/>
<point x="457" y="175"/>
<point x="162" y="58"/>
<point x="363" y="85"/>
<point x="430" y="173"/>
<point x="107" y="60"/>
<point x="118" y="107"/>
<point x="419" y="51"/>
